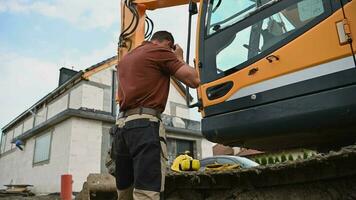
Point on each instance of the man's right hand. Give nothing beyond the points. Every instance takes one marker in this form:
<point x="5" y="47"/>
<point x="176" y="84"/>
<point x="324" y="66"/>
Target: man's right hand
<point x="179" y="52"/>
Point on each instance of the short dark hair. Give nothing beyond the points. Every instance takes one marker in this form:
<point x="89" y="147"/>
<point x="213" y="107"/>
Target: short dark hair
<point x="163" y="35"/>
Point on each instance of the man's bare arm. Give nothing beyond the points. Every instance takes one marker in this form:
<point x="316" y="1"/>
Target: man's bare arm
<point x="188" y="76"/>
<point x="186" y="73"/>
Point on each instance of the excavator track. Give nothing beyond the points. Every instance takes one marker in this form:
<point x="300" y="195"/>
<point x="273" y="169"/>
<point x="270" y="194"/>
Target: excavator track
<point x="324" y="177"/>
<point x="329" y="176"/>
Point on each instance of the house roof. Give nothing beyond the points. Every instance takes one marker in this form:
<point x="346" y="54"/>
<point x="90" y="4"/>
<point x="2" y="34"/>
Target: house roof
<point x="83" y="74"/>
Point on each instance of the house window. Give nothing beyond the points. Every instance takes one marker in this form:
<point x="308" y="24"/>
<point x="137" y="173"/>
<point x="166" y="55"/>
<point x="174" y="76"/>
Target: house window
<point x="42" y="148"/>
<point x="177" y="147"/>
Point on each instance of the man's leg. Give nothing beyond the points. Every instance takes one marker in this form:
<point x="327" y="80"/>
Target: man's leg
<point x="124" y="167"/>
<point x="126" y="194"/>
<point x="145" y="148"/>
<point x="146" y="194"/>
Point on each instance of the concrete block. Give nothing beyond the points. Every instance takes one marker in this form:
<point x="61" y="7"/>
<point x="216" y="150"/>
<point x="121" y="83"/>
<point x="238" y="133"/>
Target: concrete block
<point x="57" y="106"/>
<point x="18" y="129"/>
<point x="28" y="123"/>
<point x="93" y="97"/>
<point x="9" y="136"/>
<point x="103" y="77"/>
<point x="76" y="97"/>
<point x="40" y="116"/>
<point x="107" y="101"/>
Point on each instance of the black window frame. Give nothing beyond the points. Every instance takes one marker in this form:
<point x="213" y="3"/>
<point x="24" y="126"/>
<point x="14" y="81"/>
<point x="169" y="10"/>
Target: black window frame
<point x="211" y="43"/>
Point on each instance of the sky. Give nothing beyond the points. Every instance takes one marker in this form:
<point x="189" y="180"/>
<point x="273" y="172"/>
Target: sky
<point x="38" y="37"/>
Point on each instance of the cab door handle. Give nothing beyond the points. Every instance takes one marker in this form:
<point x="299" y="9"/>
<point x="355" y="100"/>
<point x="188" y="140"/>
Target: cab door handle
<point x="272" y="58"/>
<point x="218" y="91"/>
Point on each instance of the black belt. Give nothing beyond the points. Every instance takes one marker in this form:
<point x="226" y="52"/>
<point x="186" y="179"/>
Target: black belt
<point x="140" y="111"/>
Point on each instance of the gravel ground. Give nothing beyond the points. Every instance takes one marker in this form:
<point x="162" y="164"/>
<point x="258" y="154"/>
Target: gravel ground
<point x="44" y="197"/>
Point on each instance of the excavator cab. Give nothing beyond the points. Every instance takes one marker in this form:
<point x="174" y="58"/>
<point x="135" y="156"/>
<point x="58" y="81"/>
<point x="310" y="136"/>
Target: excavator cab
<point x="276" y="74"/>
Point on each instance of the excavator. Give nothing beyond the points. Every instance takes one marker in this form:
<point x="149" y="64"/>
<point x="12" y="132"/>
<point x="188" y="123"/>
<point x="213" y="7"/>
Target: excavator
<point x="275" y="75"/>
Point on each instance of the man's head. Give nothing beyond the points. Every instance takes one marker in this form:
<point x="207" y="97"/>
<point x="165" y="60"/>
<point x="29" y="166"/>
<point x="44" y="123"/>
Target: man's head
<point x="163" y="38"/>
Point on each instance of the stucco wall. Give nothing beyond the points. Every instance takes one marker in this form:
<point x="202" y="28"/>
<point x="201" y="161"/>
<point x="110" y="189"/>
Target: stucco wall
<point x="2" y="146"/>
<point x="175" y="98"/>
<point x="57" y="106"/>
<point x="40" y="115"/>
<point x="18" y="130"/>
<point x="8" y="138"/>
<point x="76" y="97"/>
<point x="207" y="148"/>
<point x="17" y="167"/>
<point x="28" y="123"/>
<point x="103" y="77"/>
<point x="107" y="100"/>
<point x="92" y="97"/>
<point x="85" y="154"/>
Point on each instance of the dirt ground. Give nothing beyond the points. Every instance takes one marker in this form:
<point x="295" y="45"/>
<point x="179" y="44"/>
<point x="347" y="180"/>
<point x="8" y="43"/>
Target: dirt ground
<point x="44" y="197"/>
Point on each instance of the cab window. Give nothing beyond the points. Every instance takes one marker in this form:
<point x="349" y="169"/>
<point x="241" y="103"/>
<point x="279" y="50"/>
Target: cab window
<point x="239" y="32"/>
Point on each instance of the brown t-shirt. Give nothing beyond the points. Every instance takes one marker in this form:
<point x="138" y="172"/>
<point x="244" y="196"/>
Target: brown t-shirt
<point x="144" y="77"/>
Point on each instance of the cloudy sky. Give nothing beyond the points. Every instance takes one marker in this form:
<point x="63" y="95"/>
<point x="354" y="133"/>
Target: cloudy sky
<point x="38" y="37"/>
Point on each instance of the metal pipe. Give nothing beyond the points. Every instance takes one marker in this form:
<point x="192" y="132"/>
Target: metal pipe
<point x="192" y="11"/>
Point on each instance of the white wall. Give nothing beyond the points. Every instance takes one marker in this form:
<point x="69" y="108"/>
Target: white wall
<point x="92" y="97"/>
<point x="41" y="115"/>
<point x="75" y="149"/>
<point x="175" y="97"/>
<point x="57" y="106"/>
<point x="85" y="155"/>
<point x="8" y="138"/>
<point x="76" y="96"/>
<point x="207" y="148"/>
<point x="18" y="168"/>
<point x="2" y="146"/>
<point x="28" y="123"/>
<point x="103" y="77"/>
<point x="18" y="130"/>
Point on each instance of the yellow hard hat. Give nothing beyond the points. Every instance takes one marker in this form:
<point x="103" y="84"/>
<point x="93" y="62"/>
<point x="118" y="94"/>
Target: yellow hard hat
<point x="185" y="163"/>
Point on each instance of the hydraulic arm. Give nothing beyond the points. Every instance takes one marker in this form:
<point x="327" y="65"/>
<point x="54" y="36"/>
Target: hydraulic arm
<point x="133" y="15"/>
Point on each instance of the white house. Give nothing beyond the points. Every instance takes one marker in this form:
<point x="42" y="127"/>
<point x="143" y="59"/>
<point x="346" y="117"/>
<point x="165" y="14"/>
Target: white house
<point x="67" y="131"/>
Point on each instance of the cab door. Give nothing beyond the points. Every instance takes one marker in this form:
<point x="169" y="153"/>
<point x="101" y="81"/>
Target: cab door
<point x="255" y="54"/>
<point x="346" y="26"/>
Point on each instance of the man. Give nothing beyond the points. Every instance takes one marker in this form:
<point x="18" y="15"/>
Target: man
<point x="144" y="79"/>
